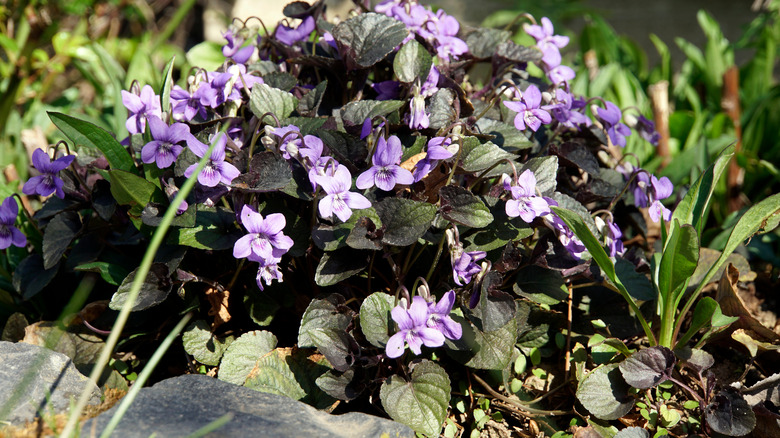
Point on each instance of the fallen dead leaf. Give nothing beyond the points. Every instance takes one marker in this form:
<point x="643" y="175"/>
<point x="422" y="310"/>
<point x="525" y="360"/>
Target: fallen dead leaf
<point x="219" y="306"/>
<point x="732" y="305"/>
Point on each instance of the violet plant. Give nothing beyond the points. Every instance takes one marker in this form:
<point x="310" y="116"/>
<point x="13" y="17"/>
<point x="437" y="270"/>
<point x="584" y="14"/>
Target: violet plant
<point x="516" y="178"/>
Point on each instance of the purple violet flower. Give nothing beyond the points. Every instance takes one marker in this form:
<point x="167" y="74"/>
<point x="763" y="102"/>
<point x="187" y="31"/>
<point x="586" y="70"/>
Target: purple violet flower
<point x="265" y="240"/>
<point x="436" y="152"/>
<point x="464" y="264"/>
<point x="563" y="112"/>
<point x="610" y="118"/>
<point x="48" y="181"/>
<point x="311" y="150"/>
<point x="217" y="169"/>
<point x="268" y="272"/>
<point x="291" y="143"/>
<point x="646" y="129"/>
<point x="549" y="43"/>
<point x="186" y="106"/>
<point x="442" y="30"/>
<point x="164" y="149"/>
<point x="139" y="108"/>
<point x="412" y="329"/>
<point x="430" y="86"/>
<point x="385" y="172"/>
<point x="171" y="191"/>
<point x="417" y="117"/>
<point x="233" y="49"/>
<point x="561" y="74"/>
<point x="529" y="112"/>
<point x="339" y="200"/>
<point x="290" y="36"/>
<point x="612" y="235"/>
<point x="439" y="317"/>
<point x="525" y="203"/>
<point x="565" y="235"/>
<point x="9" y="234"/>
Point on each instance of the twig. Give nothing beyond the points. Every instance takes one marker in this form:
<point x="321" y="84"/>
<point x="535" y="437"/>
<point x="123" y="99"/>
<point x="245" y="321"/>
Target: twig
<point x="517" y="403"/>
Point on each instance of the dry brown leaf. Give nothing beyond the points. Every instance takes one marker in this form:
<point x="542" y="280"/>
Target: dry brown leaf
<point x="731" y="304"/>
<point x="219" y="306"/>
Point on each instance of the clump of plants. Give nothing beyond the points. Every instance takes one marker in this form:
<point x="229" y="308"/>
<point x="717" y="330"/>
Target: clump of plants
<point x="380" y="215"/>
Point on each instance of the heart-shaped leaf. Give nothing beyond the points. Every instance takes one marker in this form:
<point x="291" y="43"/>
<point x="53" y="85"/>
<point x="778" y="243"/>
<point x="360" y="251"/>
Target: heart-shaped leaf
<point x="649" y="367"/>
<point x="421" y="402"/>
<point x="266" y="99"/>
<point x="604" y="393"/>
<point x="202" y="344"/>
<point x="404" y="220"/>
<point x="324" y="326"/>
<point x="367" y="38"/>
<point x="241" y="355"/>
<point x="375" y="318"/>
<point x="412" y="62"/>
<point x="730" y="414"/>
<point x="459" y="205"/>
<point x="339" y="265"/>
<point x="154" y="290"/>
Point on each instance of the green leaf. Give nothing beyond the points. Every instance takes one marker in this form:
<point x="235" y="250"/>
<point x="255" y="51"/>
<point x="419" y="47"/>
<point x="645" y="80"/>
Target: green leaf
<point x="692" y="209"/>
<point x="241" y="355"/>
<point x="202" y="344"/>
<point x="368" y="38"/>
<point x="324" y="326"/>
<point x="412" y="62"/>
<point x="404" y="220"/>
<point x="58" y="235"/>
<point x="154" y="290"/>
<point x="291" y="373"/>
<point x="507" y="136"/>
<point x="482" y="42"/>
<point x="343" y="386"/>
<point x="111" y="273"/>
<point x="167" y="86"/>
<point x="578" y="227"/>
<point x="499" y="232"/>
<point x="375" y="318"/>
<point x="30" y="277"/>
<point x="339" y="265"/>
<point x="633" y="432"/>
<point x="459" y="205"/>
<point x="268" y="172"/>
<point x="206" y="55"/>
<point x="355" y="113"/>
<point x="116" y="75"/>
<point x="543" y="286"/>
<point x="130" y="189"/>
<point x="421" y="402"/>
<point x="310" y="103"/>
<point x="282" y="80"/>
<point x="88" y="135"/>
<point x="678" y="262"/>
<point x="483" y="350"/>
<point x="750" y="223"/>
<point x="706" y="313"/>
<point x="637" y="284"/>
<point x="266" y="99"/>
<point x="604" y="393"/>
<point x="441" y="110"/>
<point x="214" y="230"/>
<point x="481" y="156"/>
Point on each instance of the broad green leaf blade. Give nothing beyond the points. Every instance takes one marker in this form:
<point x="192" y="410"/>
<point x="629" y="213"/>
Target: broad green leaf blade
<point x="202" y="344"/>
<point x="420" y="403"/>
<point x="355" y="113"/>
<point x="30" y="277"/>
<point x="154" y="290"/>
<point x="266" y="99"/>
<point x="637" y="284"/>
<point x="111" y="273"/>
<point x="604" y="393"/>
<point x="214" y="230"/>
<point x="693" y="207"/>
<point x="750" y="223"/>
<point x="706" y="313"/>
<point x="730" y="414"/>
<point x="459" y="205"/>
<point x="324" y="326"/>
<point x="541" y="285"/>
<point x="482" y="349"/>
<point x="88" y="135"/>
<point x="241" y="355"/>
<point x="482" y="156"/>
<point x="404" y="220"/>
<point x="368" y="38"/>
<point x="58" y="235"/>
<point x="412" y="62"/>
<point x="678" y="262"/>
<point x="375" y="318"/>
<point x="339" y="265"/>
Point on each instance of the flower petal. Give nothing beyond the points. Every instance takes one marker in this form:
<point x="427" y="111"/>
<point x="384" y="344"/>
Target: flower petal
<point x="395" y="345"/>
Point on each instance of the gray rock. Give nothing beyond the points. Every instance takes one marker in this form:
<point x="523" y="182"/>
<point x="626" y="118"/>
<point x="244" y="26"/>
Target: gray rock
<point x="182" y="405"/>
<point x="51" y="375"/>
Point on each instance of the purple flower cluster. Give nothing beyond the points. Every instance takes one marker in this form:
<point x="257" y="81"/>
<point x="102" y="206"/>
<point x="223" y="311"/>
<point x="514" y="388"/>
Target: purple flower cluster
<point x="648" y="191"/>
<point x="464" y="264"/>
<point x="235" y="50"/>
<point x="210" y="90"/>
<point x="140" y="108"/>
<point x="9" y="234"/>
<point x="438" y="28"/>
<point x="264" y="243"/>
<point x="610" y="119"/>
<point x="550" y="44"/>
<point x="437" y="151"/>
<point x="422" y="323"/>
<point x="524" y="203"/>
<point x="290" y="35"/>
<point x="48" y="181"/>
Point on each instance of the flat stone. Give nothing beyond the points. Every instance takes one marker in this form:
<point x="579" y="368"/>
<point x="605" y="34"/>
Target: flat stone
<point x="182" y="405"/>
<point x="51" y="375"/>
